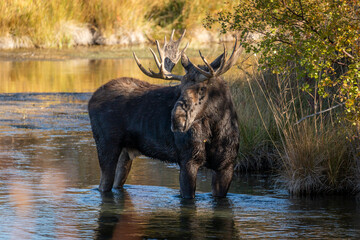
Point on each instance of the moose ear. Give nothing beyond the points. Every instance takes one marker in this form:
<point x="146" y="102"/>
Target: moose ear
<point x="217" y="62"/>
<point x="185" y="62"/>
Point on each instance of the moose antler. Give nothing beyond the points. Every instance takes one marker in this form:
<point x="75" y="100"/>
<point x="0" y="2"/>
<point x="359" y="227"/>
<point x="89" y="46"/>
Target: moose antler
<point x="225" y="64"/>
<point x="169" y="56"/>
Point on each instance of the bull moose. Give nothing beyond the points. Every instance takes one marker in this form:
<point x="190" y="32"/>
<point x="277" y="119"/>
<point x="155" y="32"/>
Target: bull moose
<point x="192" y="124"/>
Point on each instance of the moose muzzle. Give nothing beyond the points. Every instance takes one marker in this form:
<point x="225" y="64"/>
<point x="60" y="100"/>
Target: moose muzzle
<point x="179" y="118"/>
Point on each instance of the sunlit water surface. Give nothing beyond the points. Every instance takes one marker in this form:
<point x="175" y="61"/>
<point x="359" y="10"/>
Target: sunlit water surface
<point x="49" y="175"/>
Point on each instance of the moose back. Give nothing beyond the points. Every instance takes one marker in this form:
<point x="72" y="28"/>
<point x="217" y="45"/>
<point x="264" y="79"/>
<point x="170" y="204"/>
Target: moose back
<point x="193" y="124"/>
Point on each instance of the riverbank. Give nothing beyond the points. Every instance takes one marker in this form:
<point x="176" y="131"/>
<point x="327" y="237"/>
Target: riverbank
<point x="65" y="24"/>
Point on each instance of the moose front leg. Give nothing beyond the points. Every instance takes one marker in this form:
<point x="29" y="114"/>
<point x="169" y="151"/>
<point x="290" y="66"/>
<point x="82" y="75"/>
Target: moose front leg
<point x="221" y="180"/>
<point x="188" y="172"/>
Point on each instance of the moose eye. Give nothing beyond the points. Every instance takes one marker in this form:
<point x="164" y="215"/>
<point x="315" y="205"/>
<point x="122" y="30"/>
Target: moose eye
<point x="202" y="90"/>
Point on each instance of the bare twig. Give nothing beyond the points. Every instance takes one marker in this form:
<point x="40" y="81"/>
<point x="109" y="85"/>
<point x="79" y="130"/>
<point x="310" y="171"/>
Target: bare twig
<point x="317" y="113"/>
<point x="348" y="54"/>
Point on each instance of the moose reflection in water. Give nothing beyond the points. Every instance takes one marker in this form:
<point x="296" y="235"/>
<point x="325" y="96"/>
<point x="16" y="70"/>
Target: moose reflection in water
<point x="186" y="221"/>
<point x="193" y="124"/>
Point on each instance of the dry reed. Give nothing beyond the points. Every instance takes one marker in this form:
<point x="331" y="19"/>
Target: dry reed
<point x="312" y="156"/>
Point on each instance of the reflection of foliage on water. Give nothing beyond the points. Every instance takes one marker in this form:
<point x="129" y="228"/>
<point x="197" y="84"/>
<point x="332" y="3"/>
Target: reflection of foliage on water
<point x="36" y="170"/>
<point x="64" y="76"/>
<point x="56" y="152"/>
<point x="78" y="71"/>
<point x="47" y="131"/>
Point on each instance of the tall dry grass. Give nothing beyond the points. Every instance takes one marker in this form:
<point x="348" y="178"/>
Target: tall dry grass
<point x="317" y="161"/>
<point x="312" y="153"/>
<point x="59" y="23"/>
<point x="55" y="22"/>
<point x="256" y="151"/>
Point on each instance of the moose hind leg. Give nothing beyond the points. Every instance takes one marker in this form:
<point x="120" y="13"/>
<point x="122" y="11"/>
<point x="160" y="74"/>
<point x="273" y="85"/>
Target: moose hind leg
<point x="221" y="180"/>
<point x="108" y="157"/>
<point x="123" y="166"/>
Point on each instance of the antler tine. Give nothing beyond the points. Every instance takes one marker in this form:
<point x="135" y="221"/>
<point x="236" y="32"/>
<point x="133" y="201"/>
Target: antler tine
<point x="223" y="60"/>
<point x="163" y="74"/>
<point x="169" y="55"/>
<point x="181" y="37"/>
<point x="203" y="72"/>
<point x="161" y="51"/>
<point x="211" y="70"/>
<point x="225" y="64"/>
<point x="172" y="35"/>
<point x="155" y="58"/>
<point x="237" y="50"/>
<point x="183" y="51"/>
<point x="146" y="72"/>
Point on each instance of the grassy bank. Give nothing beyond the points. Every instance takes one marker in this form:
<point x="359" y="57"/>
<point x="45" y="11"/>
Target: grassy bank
<point x="65" y="23"/>
<point x="312" y="154"/>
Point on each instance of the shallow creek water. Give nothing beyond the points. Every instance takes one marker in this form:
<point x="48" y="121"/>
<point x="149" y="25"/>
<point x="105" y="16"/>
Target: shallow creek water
<point x="49" y="174"/>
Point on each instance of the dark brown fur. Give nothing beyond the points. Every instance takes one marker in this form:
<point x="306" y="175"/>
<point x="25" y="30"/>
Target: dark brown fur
<point x="193" y="124"/>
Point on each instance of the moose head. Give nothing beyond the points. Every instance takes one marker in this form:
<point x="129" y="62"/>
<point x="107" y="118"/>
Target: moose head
<point x="194" y="84"/>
